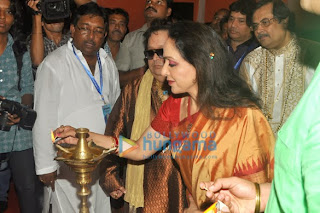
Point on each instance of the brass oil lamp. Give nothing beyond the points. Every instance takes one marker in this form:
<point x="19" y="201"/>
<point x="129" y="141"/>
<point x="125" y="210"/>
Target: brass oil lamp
<point x="83" y="158"/>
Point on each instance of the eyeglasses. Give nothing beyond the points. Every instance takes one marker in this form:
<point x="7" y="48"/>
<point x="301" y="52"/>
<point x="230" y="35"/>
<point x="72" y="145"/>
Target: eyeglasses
<point x="85" y="30"/>
<point x="264" y="22"/>
<point x="159" y="2"/>
<point x="150" y="53"/>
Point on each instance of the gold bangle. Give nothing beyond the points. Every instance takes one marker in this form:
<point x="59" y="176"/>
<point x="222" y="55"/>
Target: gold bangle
<point x="113" y="142"/>
<point x="36" y="33"/>
<point x="258" y="198"/>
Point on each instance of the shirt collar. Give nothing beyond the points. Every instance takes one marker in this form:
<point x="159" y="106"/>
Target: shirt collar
<point x="10" y="40"/>
<point x="144" y="28"/>
<point x="287" y="48"/>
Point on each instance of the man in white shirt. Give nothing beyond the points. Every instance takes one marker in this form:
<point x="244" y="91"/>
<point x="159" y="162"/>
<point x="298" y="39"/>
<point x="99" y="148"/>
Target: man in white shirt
<point x="76" y="85"/>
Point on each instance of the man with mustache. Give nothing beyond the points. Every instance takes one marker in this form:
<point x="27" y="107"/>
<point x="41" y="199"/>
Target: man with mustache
<point x="77" y="84"/>
<point x="282" y="68"/>
<point x="118" y="20"/>
<point x="241" y="40"/>
<point x="130" y="59"/>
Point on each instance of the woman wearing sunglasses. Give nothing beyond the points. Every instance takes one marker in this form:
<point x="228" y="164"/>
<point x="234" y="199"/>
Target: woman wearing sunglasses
<point x="212" y="122"/>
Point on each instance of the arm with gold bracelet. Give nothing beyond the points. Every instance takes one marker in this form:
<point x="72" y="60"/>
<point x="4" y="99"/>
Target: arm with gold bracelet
<point x="148" y="144"/>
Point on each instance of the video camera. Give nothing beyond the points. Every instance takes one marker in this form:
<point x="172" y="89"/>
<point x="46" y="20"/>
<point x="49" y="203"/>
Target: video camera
<point x="54" y="9"/>
<point x="27" y="115"/>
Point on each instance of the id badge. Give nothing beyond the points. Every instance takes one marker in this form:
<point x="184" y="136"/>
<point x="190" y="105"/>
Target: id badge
<point x="106" y="109"/>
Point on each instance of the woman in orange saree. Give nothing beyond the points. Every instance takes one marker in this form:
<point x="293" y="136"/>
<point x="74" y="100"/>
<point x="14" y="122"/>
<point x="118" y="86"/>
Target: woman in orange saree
<point x="214" y="127"/>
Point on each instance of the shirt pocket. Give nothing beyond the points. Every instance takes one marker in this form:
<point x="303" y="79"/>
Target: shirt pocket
<point x="286" y="154"/>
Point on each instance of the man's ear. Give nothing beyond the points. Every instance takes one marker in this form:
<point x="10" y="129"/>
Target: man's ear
<point x="169" y="12"/>
<point x="285" y="22"/>
<point x="72" y="29"/>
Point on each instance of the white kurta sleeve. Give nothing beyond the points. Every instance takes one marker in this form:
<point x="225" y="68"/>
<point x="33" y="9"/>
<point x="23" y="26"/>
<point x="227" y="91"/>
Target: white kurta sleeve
<point x="47" y="92"/>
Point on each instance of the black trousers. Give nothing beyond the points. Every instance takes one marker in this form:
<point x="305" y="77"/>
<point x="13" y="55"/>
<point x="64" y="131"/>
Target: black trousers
<point x="28" y="186"/>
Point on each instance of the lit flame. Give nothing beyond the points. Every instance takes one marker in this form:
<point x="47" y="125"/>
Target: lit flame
<point x="52" y="137"/>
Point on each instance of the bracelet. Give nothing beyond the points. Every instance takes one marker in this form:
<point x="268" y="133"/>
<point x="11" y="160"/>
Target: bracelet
<point x="37" y="33"/>
<point x="258" y="198"/>
<point x="116" y="140"/>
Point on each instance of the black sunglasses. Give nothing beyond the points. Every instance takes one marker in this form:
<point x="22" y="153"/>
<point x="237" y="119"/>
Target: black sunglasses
<point x="150" y="53"/>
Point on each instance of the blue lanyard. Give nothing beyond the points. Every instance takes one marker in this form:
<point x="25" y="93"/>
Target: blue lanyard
<point x="237" y="65"/>
<point x="99" y="89"/>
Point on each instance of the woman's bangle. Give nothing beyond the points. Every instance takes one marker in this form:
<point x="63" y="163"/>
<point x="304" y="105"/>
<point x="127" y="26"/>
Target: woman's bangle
<point x="115" y="142"/>
<point x="258" y="198"/>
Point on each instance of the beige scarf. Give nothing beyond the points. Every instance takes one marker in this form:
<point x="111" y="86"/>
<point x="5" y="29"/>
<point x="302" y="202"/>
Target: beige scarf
<point x="135" y="171"/>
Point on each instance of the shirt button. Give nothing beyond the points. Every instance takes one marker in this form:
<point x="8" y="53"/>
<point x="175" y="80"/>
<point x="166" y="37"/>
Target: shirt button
<point x="1" y="80"/>
<point x="0" y="70"/>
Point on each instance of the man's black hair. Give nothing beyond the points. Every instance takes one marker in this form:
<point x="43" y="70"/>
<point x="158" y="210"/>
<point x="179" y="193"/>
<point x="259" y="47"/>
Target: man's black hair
<point x="119" y="11"/>
<point x="90" y="8"/>
<point x="169" y="3"/>
<point x="245" y="7"/>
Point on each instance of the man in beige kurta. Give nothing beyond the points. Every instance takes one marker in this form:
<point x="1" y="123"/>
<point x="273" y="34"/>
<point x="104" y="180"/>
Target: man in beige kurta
<point x="281" y="69"/>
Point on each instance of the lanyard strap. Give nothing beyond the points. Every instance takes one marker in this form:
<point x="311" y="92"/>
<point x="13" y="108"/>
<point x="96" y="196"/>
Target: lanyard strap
<point x="93" y="80"/>
<point x="237" y="65"/>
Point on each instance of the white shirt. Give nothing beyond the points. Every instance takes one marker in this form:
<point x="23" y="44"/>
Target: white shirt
<point x="131" y="52"/>
<point x="65" y="95"/>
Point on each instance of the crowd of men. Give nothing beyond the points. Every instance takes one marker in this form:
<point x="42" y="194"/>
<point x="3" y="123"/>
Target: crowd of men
<point x="98" y="61"/>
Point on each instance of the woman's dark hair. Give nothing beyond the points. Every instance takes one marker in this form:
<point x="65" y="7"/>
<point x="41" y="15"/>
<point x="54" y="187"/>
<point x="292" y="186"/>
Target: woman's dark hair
<point x="280" y="11"/>
<point x="18" y="12"/>
<point x="90" y="8"/>
<point x="218" y="84"/>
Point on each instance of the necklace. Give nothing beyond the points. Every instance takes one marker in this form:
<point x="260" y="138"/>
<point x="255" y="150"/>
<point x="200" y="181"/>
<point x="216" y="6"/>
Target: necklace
<point x="189" y="116"/>
<point x="163" y="94"/>
<point x="267" y="112"/>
